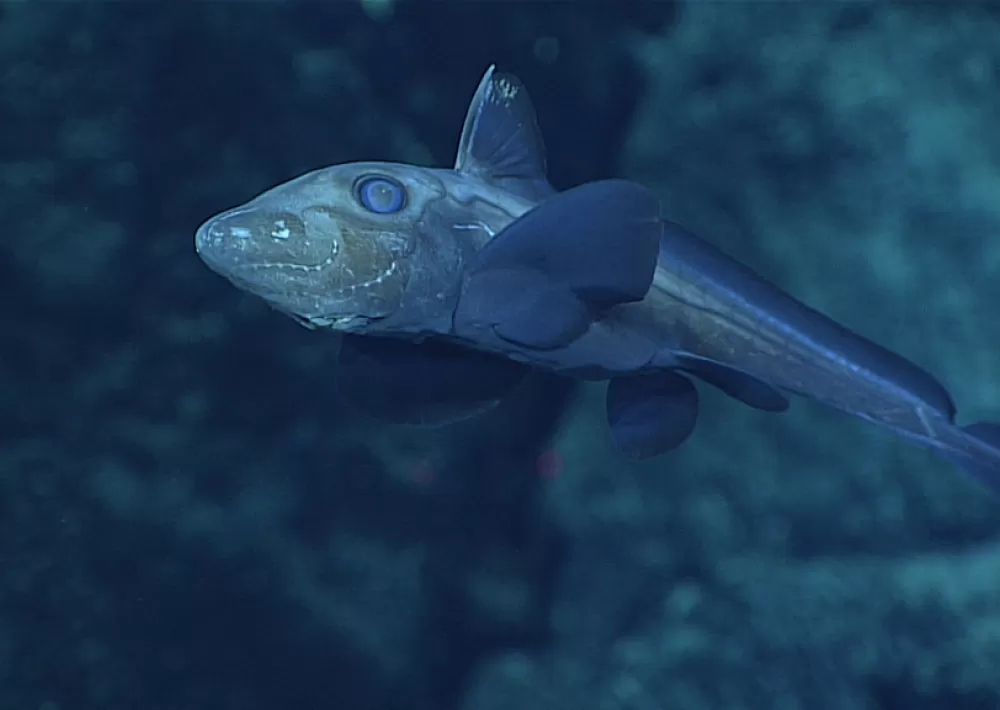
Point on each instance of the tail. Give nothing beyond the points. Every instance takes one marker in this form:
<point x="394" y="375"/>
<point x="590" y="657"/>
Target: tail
<point x="976" y="450"/>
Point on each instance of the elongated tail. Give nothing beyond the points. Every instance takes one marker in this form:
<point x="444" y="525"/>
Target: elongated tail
<point x="976" y="450"/>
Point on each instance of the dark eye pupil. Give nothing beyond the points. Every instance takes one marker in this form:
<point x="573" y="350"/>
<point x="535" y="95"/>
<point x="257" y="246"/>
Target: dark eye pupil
<point x="381" y="195"/>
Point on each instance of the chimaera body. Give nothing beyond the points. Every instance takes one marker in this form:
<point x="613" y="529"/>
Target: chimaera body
<point x="451" y="284"/>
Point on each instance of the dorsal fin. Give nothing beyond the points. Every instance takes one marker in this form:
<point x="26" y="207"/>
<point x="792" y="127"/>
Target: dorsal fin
<point x="501" y="143"/>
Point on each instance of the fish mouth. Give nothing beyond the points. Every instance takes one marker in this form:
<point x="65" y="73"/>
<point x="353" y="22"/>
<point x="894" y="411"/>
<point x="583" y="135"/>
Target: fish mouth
<point x="340" y="324"/>
<point x="297" y="297"/>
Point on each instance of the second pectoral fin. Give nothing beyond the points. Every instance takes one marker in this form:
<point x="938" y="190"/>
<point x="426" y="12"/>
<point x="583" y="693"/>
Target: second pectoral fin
<point x="651" y="414"/>
<point x="422" y="383"/>
<point x="736" y="383"/>
<point x="549" y="274"/>
<point x="524" y="307"/>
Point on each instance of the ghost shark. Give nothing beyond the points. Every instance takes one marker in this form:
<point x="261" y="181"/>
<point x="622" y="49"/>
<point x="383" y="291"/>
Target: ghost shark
<point x="450" y="285"/>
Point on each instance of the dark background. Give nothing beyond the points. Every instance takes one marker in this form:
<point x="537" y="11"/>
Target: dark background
<point x="189" y="519"/>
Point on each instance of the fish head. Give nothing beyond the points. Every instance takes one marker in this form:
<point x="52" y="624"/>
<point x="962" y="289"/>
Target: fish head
<point x="340" y="247"/>
<point x="380" y="248"/>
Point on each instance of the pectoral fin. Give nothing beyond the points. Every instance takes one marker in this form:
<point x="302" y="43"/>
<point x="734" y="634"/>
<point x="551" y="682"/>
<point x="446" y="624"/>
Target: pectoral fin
<point x="737" y="384"/>
<point x="548" y="275"/>
<point x="651" y="414"/>
<point x="422" y="383"/>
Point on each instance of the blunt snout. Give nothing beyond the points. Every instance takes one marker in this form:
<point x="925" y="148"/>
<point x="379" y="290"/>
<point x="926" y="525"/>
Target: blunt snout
<point x="252" y="237"/>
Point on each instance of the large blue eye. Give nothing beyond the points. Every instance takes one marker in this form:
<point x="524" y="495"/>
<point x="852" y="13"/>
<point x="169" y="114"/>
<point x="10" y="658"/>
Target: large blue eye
<point x="381" y="195"/>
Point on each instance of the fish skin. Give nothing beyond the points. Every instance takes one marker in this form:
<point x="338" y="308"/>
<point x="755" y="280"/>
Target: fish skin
<point x="312" y="250"/>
